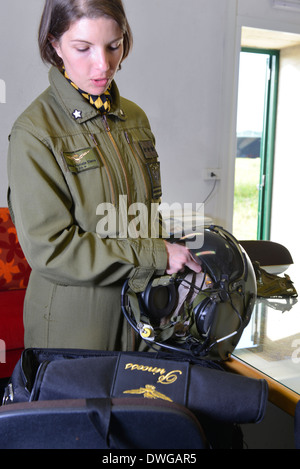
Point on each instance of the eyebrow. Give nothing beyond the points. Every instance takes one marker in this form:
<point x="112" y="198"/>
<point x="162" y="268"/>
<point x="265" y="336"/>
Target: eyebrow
<point x="90" y="43"/>
<point x="81" y="40"/>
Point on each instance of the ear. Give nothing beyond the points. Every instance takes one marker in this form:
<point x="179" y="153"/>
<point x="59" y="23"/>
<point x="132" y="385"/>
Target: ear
<point x="55" y="44"/>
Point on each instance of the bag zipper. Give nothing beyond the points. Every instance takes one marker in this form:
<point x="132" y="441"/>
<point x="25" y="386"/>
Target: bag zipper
<point x="8" y="395"/>
<point x="38" y="381"/>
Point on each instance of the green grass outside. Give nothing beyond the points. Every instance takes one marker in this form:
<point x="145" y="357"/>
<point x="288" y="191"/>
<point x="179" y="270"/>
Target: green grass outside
<point x="247" y="172"/>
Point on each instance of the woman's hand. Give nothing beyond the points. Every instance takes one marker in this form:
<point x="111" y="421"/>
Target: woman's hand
<point x="178" y="257"/>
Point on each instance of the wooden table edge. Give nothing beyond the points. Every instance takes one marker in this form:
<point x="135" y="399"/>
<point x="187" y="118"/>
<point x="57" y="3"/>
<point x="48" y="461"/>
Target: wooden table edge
<point x="279" y="395"/>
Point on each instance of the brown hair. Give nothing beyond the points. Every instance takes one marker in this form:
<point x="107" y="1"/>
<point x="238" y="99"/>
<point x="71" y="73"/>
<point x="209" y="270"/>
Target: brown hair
<point x="58" y="16"/>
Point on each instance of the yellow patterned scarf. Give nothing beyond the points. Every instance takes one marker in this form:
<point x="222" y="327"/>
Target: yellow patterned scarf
<point x="102" y="102"/>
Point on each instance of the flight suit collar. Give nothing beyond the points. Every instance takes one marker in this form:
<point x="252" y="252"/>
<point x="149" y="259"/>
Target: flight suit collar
<point x="75" y="105"/>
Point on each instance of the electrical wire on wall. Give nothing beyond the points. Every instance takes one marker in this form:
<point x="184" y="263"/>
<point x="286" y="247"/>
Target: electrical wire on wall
<point x="211" y="192"/>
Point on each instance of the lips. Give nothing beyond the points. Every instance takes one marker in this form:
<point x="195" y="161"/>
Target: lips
<point x="100" y="81"/>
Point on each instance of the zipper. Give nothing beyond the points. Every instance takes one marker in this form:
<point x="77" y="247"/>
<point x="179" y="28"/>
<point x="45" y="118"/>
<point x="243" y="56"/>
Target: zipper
<point x="108" y="131"/>
<point x="112" y="192"/>
<point x="8" y="395"/>
<point x="38" y="381"/>
<point x="137" y="159"/>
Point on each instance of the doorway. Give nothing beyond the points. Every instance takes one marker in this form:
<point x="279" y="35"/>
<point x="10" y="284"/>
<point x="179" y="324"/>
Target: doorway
<point x="256" y="119"/>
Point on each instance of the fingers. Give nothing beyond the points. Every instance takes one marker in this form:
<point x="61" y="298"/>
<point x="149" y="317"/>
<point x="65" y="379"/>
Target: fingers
<point x="193" y="265"/>
<point x="180" y="257"/>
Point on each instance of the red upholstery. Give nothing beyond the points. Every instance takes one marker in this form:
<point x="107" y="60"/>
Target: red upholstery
<point x="14" y="269"/>
<point x="14" y="276"/>
<point x="11" y="314"/>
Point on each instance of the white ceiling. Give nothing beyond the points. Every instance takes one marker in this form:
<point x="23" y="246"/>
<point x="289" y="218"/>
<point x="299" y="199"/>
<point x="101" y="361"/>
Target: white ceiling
<point x="266" y="39"/>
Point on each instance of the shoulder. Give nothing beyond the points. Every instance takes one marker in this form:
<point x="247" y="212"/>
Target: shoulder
<point x="45" y="117"/>
<point x="33" y="117"/>
<point x="134" y="112"/>
<point x="50" y="114"/>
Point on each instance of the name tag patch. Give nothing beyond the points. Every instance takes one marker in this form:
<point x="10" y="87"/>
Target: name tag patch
<point x="154" y="173"/>
<point x="81" y="160"/>
<point x="148" y="149"/>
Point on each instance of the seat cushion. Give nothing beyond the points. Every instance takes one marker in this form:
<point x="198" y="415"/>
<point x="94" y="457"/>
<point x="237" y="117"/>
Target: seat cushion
<point x="273" y="257"/>
<point x="267" y="252"/>
<point x="11" y="330"/>
<point x="14" y="268"/>
<point x="11" y="318"/>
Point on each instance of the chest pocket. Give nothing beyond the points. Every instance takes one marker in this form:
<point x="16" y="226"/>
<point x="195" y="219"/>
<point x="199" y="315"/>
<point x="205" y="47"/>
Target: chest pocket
<point x="81" y="160"/>
<point x="150" y="159"/>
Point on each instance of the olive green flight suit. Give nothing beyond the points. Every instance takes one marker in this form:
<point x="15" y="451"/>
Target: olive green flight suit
<point x="65" y="161"/>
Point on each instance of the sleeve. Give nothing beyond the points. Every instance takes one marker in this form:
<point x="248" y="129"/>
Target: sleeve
<point x="41" y="206"/>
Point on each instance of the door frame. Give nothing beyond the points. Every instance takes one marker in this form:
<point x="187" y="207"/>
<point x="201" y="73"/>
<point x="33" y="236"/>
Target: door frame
<point x="267" y="150"/>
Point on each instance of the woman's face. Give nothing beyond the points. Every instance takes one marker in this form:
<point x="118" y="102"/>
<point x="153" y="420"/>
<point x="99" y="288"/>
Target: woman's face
<point x="91" y="50"/>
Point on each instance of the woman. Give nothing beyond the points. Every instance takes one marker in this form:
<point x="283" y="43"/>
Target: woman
<point x="78" y="147"/>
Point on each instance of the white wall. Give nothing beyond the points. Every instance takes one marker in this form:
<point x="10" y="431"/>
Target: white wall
<point x="20" y="68"/>
<point x="178" y="72"/>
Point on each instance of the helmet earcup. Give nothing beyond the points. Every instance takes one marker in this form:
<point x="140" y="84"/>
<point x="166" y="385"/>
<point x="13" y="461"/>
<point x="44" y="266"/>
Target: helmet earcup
<point x="159" y="301"/>
<point x="204" y="314"/>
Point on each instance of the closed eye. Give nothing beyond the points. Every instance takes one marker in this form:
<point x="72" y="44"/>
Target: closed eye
<point x="116" y="45"/>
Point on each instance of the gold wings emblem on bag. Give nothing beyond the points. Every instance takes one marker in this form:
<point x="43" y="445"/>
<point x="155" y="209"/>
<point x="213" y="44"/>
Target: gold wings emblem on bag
<point x="149" y="392"/>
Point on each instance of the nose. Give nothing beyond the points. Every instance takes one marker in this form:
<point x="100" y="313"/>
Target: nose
<point x="102" y="60"/>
